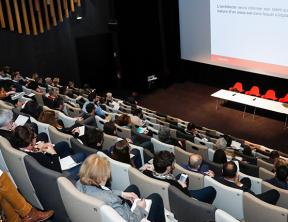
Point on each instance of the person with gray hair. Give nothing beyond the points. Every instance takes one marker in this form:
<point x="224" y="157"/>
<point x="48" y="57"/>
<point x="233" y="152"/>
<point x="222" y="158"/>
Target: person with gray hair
<point x="6" y="120"/>
<point x="195" y="164"/>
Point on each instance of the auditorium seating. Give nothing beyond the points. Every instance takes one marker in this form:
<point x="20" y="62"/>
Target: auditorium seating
<point x="254" y="91"/>
<point x="14" y="160"/>
<point x="222" y="216"/>
<point x="187" y="209"/>
<point x="258" y="210"/>
<point x="124" y="174"/>
<point x="45" y="183"/>
<point x="238" y="87"/>
<point x="227" y="198"/>
<point x="270" y="94"/>
<point x="283" y="200"/>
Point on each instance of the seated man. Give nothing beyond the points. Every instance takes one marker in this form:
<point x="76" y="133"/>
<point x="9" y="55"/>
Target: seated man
<point x="280" y="179"/>
<point x="230" y="178"/>
<point x="163" y="164"/>
<point x="14" y="206"/>
<point x="195" y="165"/>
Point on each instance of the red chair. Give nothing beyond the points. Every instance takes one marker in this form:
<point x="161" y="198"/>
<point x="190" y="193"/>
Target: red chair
<point x="284" y="99"/>
<point x="270" y="94"/>
<point x="237" y="87"/>
<point x="254" y="91"/>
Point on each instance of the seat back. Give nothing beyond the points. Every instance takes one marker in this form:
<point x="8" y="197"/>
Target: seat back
<point x="150" y="118"/>
<point x="56" y="136"/>
<point x="222" y="216"/>
<point x="123" y="132"/>
<point x="265" y="174"/>
<point x="109" y="141"/>
<point x="5" y="105"/>
<point x="258" y="210"/>
<point x="79" y="206"/>
<point x="215" y="167"/>
<point x="211" y="153"/>
<point x="67" y="121"/>
<point x="283" y="199"/>
<point x="256" y="183"/>
<point x="196" y="148"/>
<point x="196" y="180"/>
<point x="119" y="173"/>
<point x="249" y="169"/>
<point x="42" y="127"/>
<point x="14" y="160"/>
<point x="188" y="209"/>
<point x="264" y="164"/>
<point x="72" y="111"/>
<point x="270" y="94"/>
<point x="159" y="146"/>
<point x="78" y="147"/>
<point x="39" y="98"/>
<point x="153" y="125"/>
<point x="108" y="214"/>
<point x="203" y="143"/>
<point x="46" y="186"/>
<point x="100" y="122"/>
<point x="227" y="198"/>
<point x="154" y="132"/>
<point x="141" y="150"/>
<point x="149" y="185"/>
<point x="181" y="156"/>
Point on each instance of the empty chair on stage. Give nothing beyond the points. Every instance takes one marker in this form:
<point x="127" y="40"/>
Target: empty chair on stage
<point x="270" y="94"/>
<point x="254" y="91"/>
<point x="284" y="99"/>
<point x="237" y="87"/>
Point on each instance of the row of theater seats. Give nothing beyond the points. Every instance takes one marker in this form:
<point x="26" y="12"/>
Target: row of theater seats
<point x="55" y="191"/>
<point x="197" y="183"/>
<point x="255" y="91"/>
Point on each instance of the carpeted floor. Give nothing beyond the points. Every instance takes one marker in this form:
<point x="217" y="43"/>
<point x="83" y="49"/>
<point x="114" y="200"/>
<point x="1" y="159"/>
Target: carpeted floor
<point x="192" y="102"/>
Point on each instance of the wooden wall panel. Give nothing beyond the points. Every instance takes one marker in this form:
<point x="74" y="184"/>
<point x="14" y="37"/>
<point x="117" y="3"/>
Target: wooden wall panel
<point x="25" y="17"/>
<point x="17" y="14"/>
<point x="34" y="26"/>
<point x="2" y="20"/>
<point x="60" y="10"/>
<point x="45" y="4"/>
<point x="38" y="10"/>
<point x="9" y="14"/>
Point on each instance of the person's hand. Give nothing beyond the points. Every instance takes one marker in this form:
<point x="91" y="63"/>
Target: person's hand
<point x="141" y="203"/>
<point x="147" y="166"/>
<point x="76" y="130"/>
<point x="129" y="196"/>
<point x="183" y="184"/>
<point x="210" y="173"/>
<point x="237" y="180"/>
<point x="48" y="148"/>
<point x="10" y="93"/>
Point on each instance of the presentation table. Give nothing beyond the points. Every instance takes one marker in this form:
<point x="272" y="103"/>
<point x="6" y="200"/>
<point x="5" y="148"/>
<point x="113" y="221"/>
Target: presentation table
<point x="252" y="101"/>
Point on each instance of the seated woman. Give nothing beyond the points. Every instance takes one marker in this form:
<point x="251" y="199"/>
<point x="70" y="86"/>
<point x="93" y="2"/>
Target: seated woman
<point x="122" y="152"/>
<point x="163" y="163"/>
<point x="47" y="154"/>
<point x="49" y="117"/>
<point x="95" y="172"/>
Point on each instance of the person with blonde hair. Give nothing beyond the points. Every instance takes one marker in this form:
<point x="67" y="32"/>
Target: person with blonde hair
<point x="95" y="172"/>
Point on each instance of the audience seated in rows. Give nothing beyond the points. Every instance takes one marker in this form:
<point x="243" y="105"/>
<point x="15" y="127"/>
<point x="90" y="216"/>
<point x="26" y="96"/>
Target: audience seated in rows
<point x="230" y="177"/>
<point x="163" y="163"/>
<point x="94" y="175"/>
